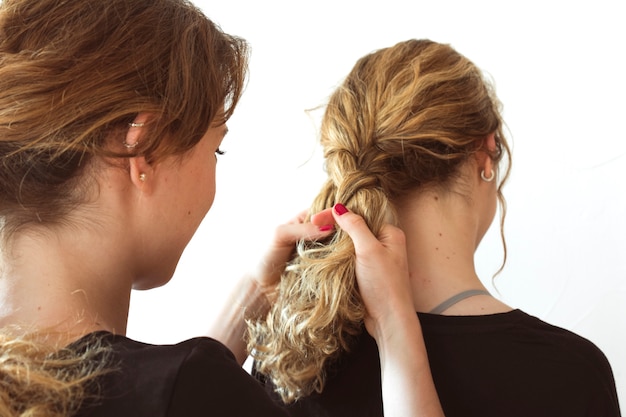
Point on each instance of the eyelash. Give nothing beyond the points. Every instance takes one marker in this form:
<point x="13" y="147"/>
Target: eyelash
<point x="218" y="151"/>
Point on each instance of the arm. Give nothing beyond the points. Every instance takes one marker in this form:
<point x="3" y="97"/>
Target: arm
<point x="247" y="299"/>
<point x="254" y="293"/>
<point x="383" y="279"/>
<point x="407" y="384"/>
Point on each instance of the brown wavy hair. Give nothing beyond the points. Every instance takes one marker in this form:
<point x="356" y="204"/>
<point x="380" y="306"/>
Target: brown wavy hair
<point x="405" y="118"/>
<point x="73" y="74"/>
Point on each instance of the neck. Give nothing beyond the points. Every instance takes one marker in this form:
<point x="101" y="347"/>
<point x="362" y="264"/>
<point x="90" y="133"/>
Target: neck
<point x="63" y="283"/>
<point x="443" y="232"/>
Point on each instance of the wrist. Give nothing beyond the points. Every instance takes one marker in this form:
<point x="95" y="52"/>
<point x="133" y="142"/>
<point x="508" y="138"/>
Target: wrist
<point x="397" y="328"/>
<point x="257" y="298"/>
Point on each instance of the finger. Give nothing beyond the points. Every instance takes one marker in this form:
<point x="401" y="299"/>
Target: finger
<point x="290" y="233"/>
<point x="323" y="218"/>
<point x="282" y="247"/>
<point x="391" y="238"/>
<point x="354" y="225"/>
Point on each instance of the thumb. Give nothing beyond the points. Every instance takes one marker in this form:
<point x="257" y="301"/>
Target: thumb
<point x="355" y="226"/>
<point x="364" y="240"/>
<point x="381" y="266"/>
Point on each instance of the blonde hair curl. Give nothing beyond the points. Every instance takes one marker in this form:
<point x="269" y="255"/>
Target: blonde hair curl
<point x="37" y="379"/>
<point x="406" y="118"/>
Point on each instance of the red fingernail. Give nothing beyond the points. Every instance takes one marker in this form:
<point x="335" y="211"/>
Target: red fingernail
<point x="340" y="209"/>
<point x="326" y="228"/>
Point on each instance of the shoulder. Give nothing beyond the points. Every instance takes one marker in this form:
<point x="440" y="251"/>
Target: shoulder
<point x="160" y="362"/>
<point x="209" y="378"/>
<point x="529" y="336"/>
<point x="566" y="341"/>
<point x="516" y="352"/>
<point x="569" y="344"/>
<point x="517" y="339"/>
<point x="581" y="362"/>
<point x="186" y="379"/>
<point x="513" y="329"/>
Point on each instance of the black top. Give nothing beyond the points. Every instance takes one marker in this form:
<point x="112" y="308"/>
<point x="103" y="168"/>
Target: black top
<point x="198" y="377"/>
<point x="508" y="364"/>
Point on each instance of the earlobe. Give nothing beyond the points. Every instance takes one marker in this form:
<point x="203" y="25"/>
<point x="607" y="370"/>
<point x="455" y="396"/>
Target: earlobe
<point x="487" y="177"/>
<point x="487" y="171"/>
<point x="140" y="172"/>
<point x="139" y="169"/>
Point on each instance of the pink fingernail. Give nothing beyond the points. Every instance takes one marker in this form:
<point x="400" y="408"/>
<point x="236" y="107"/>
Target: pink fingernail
<point x="326" y="228"/>
<point x="340" y="209"/>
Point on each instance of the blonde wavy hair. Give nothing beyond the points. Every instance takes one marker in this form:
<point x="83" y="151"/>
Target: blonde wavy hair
<point x="37" y="379"/>
<point x="73" y="74"/>
<point x="405" y="118"/>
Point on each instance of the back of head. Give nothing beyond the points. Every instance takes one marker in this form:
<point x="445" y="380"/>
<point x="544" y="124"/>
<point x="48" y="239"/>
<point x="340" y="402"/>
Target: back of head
<point x="74" y="73"/>
<point x="405" y="119"/>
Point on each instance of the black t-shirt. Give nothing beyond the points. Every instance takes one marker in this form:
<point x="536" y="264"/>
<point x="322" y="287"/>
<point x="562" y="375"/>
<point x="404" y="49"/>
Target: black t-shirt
<point x="198" y="377"/>
<point x="500" y="365"/>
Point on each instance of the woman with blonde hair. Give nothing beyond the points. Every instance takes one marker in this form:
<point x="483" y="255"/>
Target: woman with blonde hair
<point x="414" y="136"/>
<point x="111" y="118"/>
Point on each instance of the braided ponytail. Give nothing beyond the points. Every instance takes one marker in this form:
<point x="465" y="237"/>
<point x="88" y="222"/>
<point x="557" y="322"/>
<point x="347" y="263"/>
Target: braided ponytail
<point x="319" y="311"/>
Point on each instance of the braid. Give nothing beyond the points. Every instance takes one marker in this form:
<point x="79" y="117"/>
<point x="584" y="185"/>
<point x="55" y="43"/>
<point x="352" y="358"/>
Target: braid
<point x="319" y="311"/>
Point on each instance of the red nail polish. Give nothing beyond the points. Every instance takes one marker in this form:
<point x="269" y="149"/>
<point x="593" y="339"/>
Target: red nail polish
<point x="326" y="228"/>
<point x="340" y="209"/>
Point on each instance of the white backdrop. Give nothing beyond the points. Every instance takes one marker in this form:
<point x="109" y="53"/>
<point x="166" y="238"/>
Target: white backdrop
<point x="559" y="69"/>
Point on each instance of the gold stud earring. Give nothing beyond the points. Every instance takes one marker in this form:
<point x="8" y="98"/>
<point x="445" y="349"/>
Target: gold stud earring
<point x="142" y="177"/>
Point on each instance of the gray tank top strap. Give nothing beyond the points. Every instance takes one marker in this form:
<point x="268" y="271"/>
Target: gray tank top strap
<point x="455" y="299"/>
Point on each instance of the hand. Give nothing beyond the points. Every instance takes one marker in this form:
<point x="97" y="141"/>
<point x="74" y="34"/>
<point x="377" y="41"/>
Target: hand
<point x="281" y="249"/>
<point x="381" y="267"/>
<point x="253" y="295"/>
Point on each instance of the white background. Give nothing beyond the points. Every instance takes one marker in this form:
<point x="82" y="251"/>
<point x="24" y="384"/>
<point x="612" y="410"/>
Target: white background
<point x="559" y="69"/>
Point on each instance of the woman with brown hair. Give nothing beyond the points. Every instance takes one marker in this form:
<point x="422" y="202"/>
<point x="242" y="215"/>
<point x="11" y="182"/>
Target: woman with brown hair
<point x="414" y="136"/>
<point x="111" y="117"/>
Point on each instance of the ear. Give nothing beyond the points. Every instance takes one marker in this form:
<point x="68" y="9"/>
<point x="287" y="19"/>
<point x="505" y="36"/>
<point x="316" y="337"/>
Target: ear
<point x="140" y="171"/>
<point x="490" y="143"/>
<point x="485" y="162"/>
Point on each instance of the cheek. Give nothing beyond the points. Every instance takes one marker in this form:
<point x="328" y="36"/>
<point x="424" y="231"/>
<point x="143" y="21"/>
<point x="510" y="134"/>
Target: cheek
<point x="210" y="197"/>
<point x="198" y="188"/>
<point x="208" y="185"/>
